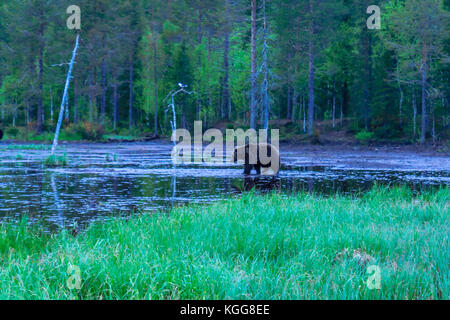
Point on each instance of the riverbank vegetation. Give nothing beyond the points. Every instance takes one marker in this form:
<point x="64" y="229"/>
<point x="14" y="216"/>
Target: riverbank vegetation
<point x="272" y="246"/>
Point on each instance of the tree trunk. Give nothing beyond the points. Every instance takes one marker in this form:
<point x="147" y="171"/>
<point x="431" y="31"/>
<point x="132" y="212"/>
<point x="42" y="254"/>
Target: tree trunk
<point x="14" y="116"/>
<point x="51" y="105"/>
<point x="289" y="100"/>
<point x="226" y="86"/>
<point x="27" y="113"/>
<point x="91" y="97"/>
<point x="294" y="105"/>
<point x="199" y="42"/>
<point x="75" y="101"/>
<point x="155" y="76"/>
<point x="334" y="110"/>
<point x="400" y="104"/>
<point x="155" y="83"/>
<point x="253" y="68"/>
<point x="168" y="12"/>
<point x="433" y="128"/>
<point x="304" y="113"/>
<point x="103" y="103"/>
<point x="424" y="105"/>
<point x="66" y="90"/>
<point x="311" y="74"/>
<point x="40" y="110"/>
<point x="130" y="105"/>
<point x="414" y="104"/>
<point x="266" y="110"/>
<point x="66" y="117"/>
<point x="115" y="106"/>
<point x="367" y="75"/>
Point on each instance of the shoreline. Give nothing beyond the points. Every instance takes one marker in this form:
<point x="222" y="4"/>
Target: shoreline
<point x="414" y="148"/>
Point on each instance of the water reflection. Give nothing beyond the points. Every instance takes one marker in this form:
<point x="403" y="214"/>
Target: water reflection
<point x="142" y="177"/>
<point x="262" y="184"/>
<point x="57" y="202"/>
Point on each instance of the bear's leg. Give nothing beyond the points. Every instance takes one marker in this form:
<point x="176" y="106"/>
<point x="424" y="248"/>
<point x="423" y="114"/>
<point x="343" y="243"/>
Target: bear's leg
<point x="247" y="169"/>
<point x="258" y="168"/>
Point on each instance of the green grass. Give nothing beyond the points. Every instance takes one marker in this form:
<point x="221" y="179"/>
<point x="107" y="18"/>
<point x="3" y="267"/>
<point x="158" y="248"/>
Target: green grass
<point x="56" y="160"/>
<point x="119" y="137"/>
<point x="365" y="136"/>
<point x="254" y="247"/>
<point x="26" y="147"/>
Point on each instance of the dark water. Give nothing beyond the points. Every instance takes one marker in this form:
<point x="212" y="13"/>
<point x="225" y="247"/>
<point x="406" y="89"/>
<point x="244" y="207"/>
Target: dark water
<point x="106" y="179"/>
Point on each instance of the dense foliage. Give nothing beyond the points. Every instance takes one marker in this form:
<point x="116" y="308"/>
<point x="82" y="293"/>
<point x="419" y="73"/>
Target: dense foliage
<point x="313" y="59"/>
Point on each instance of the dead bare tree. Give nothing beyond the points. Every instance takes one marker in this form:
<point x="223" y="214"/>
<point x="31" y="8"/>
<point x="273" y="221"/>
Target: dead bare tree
<point x="64" y="99"/>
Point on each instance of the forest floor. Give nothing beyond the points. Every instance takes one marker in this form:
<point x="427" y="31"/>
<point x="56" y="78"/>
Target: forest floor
<point x="384" y="244"/>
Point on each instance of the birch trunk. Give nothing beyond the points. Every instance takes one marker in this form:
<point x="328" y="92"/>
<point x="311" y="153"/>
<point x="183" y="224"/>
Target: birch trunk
<point x="64" y="99"/>
<point x="75" y="101"/>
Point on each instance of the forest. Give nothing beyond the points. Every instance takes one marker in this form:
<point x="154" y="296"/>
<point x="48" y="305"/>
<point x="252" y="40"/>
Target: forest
<point x="352" y="202"/>
<point x="254" y="63"/>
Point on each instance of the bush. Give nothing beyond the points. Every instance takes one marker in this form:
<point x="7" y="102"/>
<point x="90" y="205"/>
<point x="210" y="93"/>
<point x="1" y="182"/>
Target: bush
<point x="389" y="131"/>
<point x="12" y="131"/>
<point x="353" y="127"/>
<point x="87" y="131"/>
<point x="31" y="126"/>
<point x="56" y="161"/>
<point x="365" y="136"/>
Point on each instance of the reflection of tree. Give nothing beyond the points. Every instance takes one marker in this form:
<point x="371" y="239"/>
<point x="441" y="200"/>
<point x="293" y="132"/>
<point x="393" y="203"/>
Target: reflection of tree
<point x="310" y="181"/>
<point x="57" y="202"/>
<point x="174" y="184"/>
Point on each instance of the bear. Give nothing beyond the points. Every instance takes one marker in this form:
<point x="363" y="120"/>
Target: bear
<point x="262" y="155"/>
<point x="1" y="134"/>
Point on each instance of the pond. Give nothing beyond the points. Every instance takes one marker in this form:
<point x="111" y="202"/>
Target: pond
<point x="102" y="180"/>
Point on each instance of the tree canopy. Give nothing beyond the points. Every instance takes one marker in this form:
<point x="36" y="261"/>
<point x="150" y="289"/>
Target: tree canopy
<point x="313" y="60"/>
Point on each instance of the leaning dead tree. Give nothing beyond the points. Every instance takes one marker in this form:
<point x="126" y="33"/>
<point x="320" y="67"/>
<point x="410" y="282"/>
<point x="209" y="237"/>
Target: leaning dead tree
<point x="172" y="94"/>
<point x="173" y="125"/>
<point x="64" y="99"/>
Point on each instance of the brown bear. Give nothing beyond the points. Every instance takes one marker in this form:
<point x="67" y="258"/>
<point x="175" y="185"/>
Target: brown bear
<point x="262" y="155"/>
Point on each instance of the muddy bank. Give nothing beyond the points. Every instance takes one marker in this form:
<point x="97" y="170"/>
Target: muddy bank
<point x="431" y="150"/>
<point x="386" y="157"/>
